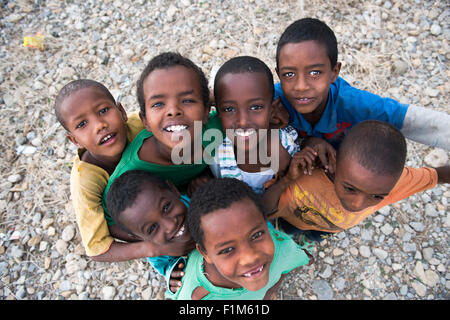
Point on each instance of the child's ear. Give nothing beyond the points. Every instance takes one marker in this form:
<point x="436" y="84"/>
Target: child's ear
<point x="335" y="71"/>
<point x="203" y="253"/>
<point x="279" y="116"/>
<point x="72" y="139"/>
<point x="144" y="121"/>
<point x="173" y="188"/>
<point x="122" y="111"/>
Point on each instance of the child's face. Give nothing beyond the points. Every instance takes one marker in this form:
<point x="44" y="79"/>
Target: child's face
<point x="238" y="244"/>
<point x="158" y="216"/>
<point x="244" y="105"/>
<point x="358" y="188"/>
<point x="95" y="122"/>
<point x="305" y="74"/>
<point x="173" y="101"/>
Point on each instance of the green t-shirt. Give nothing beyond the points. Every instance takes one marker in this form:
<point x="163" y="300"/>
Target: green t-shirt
<point x="180" y="175"/>
<point x="288" y="256"/>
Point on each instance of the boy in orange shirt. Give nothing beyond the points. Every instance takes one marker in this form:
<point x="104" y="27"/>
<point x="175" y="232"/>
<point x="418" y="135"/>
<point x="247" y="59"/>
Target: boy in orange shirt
<point x="370" y="174"/>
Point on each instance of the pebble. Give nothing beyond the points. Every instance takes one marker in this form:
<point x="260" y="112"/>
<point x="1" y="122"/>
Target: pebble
<point x="436" y="158"/>
<point x="418" y="226"/>
<point x="380" y="253"/>
<point x="435" y="29"/>
<point x="365" y="251"/>
<point x="15" y="178"/>
<point x="68" y="233"/>
<point x="108" y="292"/>
<point x="387" y="229"/>
<point x="419" y="288"/>
<point x="322" y="289"/>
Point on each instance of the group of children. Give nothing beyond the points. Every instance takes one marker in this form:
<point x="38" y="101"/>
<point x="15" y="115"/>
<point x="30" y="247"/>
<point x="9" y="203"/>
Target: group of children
<point x="332" y="155"/>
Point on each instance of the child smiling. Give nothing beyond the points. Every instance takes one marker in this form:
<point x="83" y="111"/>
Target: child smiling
<point x="238" y="256"/>
<point x="173" y="96"/>
<point x="251" y="151"/>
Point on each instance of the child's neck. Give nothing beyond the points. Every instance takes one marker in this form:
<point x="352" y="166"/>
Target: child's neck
<point x="154" y="152"/>
<point x="107" y="164"/>
<point x="314" y="117"/>
<point x="212" y="274"/>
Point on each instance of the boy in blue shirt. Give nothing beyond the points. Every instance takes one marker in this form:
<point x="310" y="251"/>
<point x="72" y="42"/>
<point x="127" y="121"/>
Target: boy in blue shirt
<point x="322" y="104"/>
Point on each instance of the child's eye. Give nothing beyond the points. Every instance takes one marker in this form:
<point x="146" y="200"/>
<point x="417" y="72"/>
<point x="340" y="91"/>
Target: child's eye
<point x="289" y="74"/>
<point x="226" y="250"/>
<point x="256" y="107"/>
<point x="103" y="110"/>
<point x="157" y="104"/>
<point x="228" y="109"/>
<point x="315" y="73"/>
<point x="166" y="207"/>
<point x="377" y="197"/>
<point x="257" y="235"/>
<point x="349" y="189"/>
<point x="81" y="124"/>
<point x="151" y="229"/>
<point x="188" y="101"/>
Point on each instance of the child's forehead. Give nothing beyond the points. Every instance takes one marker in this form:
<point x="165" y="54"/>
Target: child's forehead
<point x="240" y="215"/>
<point x="312" y="48"/>
<point x="87" y="93"/>
<point x="256" y="80"/>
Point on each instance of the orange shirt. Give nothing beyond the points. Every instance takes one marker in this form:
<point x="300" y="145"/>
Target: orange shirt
<point x="311" y="202"/>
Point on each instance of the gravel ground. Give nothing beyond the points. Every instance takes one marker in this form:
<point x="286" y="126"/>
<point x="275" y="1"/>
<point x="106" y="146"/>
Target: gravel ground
<point x="393" y="48"/>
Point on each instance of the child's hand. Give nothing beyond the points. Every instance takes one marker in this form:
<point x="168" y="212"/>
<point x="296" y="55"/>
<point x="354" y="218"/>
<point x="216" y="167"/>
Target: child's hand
<point x="302" y="161"/>
<point x="175" y="277"/>
<point x="324" y="150"/>
<point x="196" y="183"/>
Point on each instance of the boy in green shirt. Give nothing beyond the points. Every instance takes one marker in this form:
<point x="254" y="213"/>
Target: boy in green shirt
<point x="239" y="255"/>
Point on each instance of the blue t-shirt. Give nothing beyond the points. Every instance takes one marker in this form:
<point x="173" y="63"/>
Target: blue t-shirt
<point x="165" y="264"/>
<point x="346" y="107"/>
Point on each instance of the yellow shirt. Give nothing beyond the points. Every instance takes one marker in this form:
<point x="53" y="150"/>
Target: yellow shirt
<point x="87" y="183"/>
<point x="312" y="204"/>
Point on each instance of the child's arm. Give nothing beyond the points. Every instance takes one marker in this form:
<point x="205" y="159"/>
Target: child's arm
<point x="427" y="126"/>
<point x="120" y="251"/>
<point x="302" y="159"/>
<point x="443" y="174"/>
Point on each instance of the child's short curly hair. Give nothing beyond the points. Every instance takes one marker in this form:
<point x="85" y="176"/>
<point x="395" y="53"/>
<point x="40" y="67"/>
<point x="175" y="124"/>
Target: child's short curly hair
<point x="214" y="195"/>
<point x="310" y="29"/>
<point x="378" y="146"/>
<point x="164" y="61"/>
<point x="244" y="64"/>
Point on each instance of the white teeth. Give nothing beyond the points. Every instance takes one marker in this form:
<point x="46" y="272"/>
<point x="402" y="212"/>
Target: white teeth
<point x="249" y="274"/>
<point x="244" y="133"/>
<point x="180" y="232"/>
<point x="106" y="138"/>
<point x="176" y="128"/>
